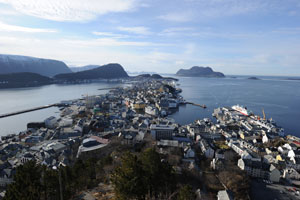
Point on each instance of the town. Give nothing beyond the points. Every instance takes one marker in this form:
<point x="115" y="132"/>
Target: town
<point x="236" y="155"/>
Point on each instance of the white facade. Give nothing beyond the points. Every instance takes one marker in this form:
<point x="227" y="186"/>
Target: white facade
<point x="51" y="122"/>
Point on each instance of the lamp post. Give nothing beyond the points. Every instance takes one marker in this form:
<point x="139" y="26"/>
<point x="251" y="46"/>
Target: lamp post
<point x="59" y="180"/>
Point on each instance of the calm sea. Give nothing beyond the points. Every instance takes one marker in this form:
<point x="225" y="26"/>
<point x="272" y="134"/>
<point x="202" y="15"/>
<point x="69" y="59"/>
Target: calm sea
<point x="24" y="98"/>
<point x="279" y="98"/>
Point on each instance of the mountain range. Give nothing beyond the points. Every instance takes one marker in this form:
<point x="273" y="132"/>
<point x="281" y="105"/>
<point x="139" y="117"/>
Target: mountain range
<point x="45" y="67"/>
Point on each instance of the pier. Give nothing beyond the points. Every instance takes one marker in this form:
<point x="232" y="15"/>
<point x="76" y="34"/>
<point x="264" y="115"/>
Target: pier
<point x="195" y="104"/>
<point x="27" y="110"/>
<point x="111" y="88"/>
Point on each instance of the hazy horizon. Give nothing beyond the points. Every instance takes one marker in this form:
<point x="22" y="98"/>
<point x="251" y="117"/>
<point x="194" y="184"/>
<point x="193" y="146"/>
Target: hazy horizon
<point x="234" y="37"/>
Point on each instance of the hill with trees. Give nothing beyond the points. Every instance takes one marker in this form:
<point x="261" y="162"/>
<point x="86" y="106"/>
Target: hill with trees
<point x="109" y="71"/>
<point x="23" y="79"/>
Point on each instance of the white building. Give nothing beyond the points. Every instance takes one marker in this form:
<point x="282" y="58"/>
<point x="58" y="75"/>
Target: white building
<point x="259" y="169"/>
<point x="224" y="195"/>
<point x="162" y="131"/>
<point x="51" y="122"/>
<point x="206" y="149"/>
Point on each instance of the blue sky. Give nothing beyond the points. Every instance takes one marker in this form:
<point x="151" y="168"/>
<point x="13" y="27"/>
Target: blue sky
<point x="257" y="37"/>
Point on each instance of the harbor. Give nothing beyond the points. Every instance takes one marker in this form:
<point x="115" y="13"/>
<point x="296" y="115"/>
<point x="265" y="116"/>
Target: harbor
<point x="141" y="114"/>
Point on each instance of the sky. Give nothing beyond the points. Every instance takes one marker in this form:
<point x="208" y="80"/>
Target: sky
<point x="240" y="37"/>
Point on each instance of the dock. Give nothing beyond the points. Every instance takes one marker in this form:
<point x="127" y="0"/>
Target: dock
<point x="195" y="104"/>
<point x="27" y="110"/>
<point x="111" y="88"/>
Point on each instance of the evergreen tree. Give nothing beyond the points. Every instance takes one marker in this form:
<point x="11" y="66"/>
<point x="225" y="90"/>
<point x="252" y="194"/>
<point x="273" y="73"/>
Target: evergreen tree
<point x="159" y="177"/>
<point x="128" y="179"/>
<point x="27" y="183"/>
<point x="186" y="193"/>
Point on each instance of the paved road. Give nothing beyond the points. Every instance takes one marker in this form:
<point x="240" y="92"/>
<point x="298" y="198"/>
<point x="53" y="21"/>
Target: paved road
<point x="261" y="190"/>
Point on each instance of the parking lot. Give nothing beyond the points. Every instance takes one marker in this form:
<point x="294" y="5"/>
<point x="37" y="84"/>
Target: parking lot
<point x="266" y="191"/>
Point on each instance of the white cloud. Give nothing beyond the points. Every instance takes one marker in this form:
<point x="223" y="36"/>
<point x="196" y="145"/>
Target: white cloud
<point x="5" y="11"/>
<point x="177" y="31"/>
<point x="69" y="10"/>
<point x="13" y="28"/>
<point x="179" y="62"/>
<point x="110" y="42"/>
<point x="139" y="30"/>
<point x="109" y="34"/>
<point x="177" y="17"/>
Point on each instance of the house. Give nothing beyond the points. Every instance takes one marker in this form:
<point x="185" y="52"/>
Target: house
<point x="32" y="140"/>
<point x="206" y="149"/>
<point x="139" y="105"/>
<point x="55" y="147"/>
<point x="258" y="169"/>
<point x="265" y="139"/>
<point x="27" y="157"/>
<point x="6" y="176"/>
<point x="217" y="164"/>
<point x="235" y="145"/>
<point x="69" y="132"/>
<point x="128" y="137"/>
<point x="290" y="173"/>
<point x="65" y="122"/>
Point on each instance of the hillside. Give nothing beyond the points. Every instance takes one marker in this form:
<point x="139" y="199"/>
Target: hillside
<point x="45" y="67"/>
<point x="23" y="79"/>
<point x="109" y="71"/>
<point x="199" y="72"/>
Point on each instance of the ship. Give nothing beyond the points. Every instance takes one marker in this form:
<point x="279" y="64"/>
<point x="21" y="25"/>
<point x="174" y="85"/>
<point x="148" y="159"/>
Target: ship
<point x="241" y="109"/>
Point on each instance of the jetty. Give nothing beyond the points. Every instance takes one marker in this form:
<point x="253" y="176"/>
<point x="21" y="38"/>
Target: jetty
<point x="195" y="104"/>
<point x="110" y="88"/>
<point x="28" y="110"/>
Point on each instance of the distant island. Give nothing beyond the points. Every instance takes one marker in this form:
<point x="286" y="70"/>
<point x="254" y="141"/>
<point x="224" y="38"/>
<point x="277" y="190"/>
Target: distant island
<point x="46" y="67"/>
<point x="199" y="72"/>
<point x="153" y="76"/>
<point x="253" y="78"/>
<point x="293" y="79"/>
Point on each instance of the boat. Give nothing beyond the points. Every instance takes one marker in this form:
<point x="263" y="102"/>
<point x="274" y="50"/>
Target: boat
<point x="241" y="109"/>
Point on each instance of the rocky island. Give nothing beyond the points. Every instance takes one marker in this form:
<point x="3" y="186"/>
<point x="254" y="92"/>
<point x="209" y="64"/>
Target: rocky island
<point x="199" y="72"/>
<point x="253" y="78"/>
